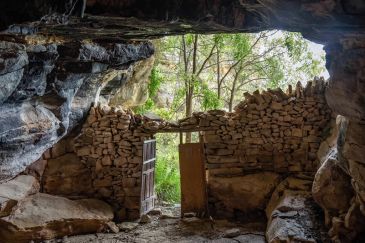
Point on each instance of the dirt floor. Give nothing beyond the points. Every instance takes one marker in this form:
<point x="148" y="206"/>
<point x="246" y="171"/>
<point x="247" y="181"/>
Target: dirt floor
<point x="167" y="226"/>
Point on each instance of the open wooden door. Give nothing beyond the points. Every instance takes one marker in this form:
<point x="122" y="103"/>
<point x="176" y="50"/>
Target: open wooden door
<point x="193" y="180"/>
<point x="148" y="176"/>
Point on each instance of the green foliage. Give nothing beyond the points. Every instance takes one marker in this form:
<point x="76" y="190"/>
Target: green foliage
<point x="153" y="86"/>
<point x="209" y="99"/>
<point x="155" y="82"/>
<point x="167" y="174"/>
<point x="247" y="62"/>
<point x="240" y="45"/>
<point x="274" y="72"/>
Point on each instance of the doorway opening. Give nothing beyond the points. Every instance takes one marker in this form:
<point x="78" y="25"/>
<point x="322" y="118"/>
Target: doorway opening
<point x="173" y="157"/>
<point x="167" y="180"/>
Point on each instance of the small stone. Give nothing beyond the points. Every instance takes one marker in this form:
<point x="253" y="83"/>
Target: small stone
<point x="113" y="227"/>
<point x="231" y="233"/>
<point x="250" y="238"/>
<point x="127" y="226"/>
<point x="189" y="215"/>
<point x="296" y="132"/>
<point x="145" y="219"/>
<point x="223" y="240"/>
<point x="155" y="211"/>
<point x="191" y="220"/>
<point x="168" y="215"/>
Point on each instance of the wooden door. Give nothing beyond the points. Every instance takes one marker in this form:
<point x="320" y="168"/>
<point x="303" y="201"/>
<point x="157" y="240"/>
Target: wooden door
<point x="148" y="176"/>
<point x="193" y="180"/>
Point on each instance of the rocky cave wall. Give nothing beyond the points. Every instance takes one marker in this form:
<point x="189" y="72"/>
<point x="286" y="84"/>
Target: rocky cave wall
<point x="48" y="88"/>
<point x="51" y="67"/>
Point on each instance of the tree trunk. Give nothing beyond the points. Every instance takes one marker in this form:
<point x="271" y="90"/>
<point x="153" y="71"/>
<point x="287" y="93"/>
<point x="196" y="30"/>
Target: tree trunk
<point x="233" y="91"/>
<point x="189" y="100"/>
<point x="230" y="104"/>
<point x="188" y="113"/>
<point x="219" y="92"/>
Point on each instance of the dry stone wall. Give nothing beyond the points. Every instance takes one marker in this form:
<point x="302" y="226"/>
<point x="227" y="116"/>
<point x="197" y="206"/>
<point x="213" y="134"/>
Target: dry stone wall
<point x="110" y="145"/>
<point x="269" y="131"/>
<point x="103" y="160"/>
<point x="272" y="131"/>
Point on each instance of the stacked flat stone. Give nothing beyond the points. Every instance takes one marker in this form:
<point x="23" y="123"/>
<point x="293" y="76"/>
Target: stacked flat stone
<point x="111" y="144"/>
<point x="270" y="131"/>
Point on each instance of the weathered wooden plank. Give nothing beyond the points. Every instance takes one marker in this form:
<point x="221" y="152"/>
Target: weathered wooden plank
<point x="148" y="174"/>
<point x="193" y="180"/>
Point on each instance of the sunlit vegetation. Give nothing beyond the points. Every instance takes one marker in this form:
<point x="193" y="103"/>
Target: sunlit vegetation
<point x="201" y="72"/>
<point x="167" y="169"/>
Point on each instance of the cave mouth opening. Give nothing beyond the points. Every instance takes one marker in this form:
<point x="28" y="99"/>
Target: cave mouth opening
<point x="193" y="73"/>
<point x="197" y="73"/>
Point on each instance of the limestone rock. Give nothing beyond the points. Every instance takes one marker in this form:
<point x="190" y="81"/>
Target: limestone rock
<point x="43" y="216"/>
<point x="250" y="238"/>
<point x="15" y="190"/>
<point x="13" y="58"/>
<point x="332" y="188"/>
<point x="36" y="169"/>
<point x="67" y="176"/>
<point x="223" y="240"/>
<point x="231" y="233"/>
<point x="251" y="191"/>
<point x="36" y="108"/>
<point x="290" y="213"/>
<point x="21" y="128"/>
<point x="127" y="226"/>
<point x="134" y="92"/>
<point x="354" y="147"/>
<point x="155" y="211"/>
<point x="113" y="227"/>
<point x="347" y="98"/>
<point x="145" y="219"/>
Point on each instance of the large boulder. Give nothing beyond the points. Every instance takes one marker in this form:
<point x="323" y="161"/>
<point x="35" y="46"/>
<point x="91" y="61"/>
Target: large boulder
<point x="291" y="213"/>
<point x="44" y="216"/>
<point x="251" y="192"/>
<point x="14" y="190"/>
<point x="67" y="176"/>
<point x="332" y="188"/>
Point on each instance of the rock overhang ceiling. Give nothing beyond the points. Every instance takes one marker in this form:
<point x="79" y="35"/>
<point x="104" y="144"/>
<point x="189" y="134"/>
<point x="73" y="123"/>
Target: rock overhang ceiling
<point x="320" y="21"/>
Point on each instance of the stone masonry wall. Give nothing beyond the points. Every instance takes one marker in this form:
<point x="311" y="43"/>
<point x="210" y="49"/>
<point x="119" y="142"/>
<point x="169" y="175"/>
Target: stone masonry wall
<point x="102" y="161"/>
<point x="110" y="144"/>
<point x="270" y="135"/>
<point x="271" y="131"/>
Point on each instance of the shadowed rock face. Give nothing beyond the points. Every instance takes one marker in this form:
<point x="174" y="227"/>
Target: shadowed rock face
<point x="46" y="89"/>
